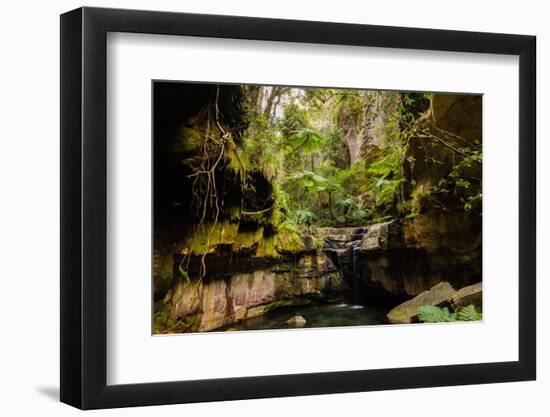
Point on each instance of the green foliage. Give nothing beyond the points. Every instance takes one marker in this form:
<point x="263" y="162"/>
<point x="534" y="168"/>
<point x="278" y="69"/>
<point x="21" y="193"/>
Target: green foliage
<point x="418" y="197"/>
<point x="353" y="179"/>
<point x="310" y="180"/>
<point x="350" y="107"/>
<point x="433" y="314"/>
<point x="305" y="217"/>
<point x="288" y="239"/>
<point x="386" y="177"/>
<point x="305" y="140"/>
<point x="335" y="148"/>
<point x="352" y="211"/>
<point x="461" y="182"/>
<point x="468" y="313"/>
<point x="260" y="150"/>
<point x="295" y="118"/>
<point x="301" y="143"/>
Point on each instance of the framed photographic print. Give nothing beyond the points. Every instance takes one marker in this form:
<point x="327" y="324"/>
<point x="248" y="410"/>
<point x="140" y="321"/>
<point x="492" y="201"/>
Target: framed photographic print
<point x="257" y="208"/>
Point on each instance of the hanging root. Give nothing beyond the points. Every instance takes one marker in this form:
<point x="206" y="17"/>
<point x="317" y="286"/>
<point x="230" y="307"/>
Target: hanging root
<point x="205" y="188"/>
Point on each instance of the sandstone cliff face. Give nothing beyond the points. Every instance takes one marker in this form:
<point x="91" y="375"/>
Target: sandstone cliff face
<point x="208" y="305"/>
<point x="400" y="259"/>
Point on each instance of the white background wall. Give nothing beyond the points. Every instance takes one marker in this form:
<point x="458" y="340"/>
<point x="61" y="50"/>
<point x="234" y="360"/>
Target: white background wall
<point x="29" y="207"/>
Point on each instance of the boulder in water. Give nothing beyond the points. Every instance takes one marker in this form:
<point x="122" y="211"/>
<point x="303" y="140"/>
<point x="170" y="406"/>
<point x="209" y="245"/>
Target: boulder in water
<point x="297" y="321"/>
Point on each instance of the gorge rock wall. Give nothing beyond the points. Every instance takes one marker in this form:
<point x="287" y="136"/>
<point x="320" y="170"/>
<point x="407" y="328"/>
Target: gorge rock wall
<point x="442" y="240"/>
<point x="400" y="259"/>
<point x="208" y="304"/>
<point x="384" y="263"/>
<point x="252" y="262"/>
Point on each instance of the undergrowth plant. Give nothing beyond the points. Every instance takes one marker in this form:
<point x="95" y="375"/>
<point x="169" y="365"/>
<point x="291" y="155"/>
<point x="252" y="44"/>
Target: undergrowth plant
<point x="433" y="314"/>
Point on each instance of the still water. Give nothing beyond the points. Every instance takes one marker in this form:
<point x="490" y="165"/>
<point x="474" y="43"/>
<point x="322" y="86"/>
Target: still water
<point x="322" y="315"/>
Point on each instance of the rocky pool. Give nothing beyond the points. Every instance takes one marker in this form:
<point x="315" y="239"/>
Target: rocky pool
<point x="320" y="315"/>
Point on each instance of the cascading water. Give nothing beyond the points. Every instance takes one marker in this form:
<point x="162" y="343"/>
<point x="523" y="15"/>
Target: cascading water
<point x="341" y="245"/>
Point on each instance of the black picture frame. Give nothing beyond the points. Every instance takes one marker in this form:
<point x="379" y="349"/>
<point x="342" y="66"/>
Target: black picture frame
<point x="84" y="209"/>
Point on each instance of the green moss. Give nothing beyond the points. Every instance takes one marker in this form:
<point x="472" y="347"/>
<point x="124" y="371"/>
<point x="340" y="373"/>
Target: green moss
<point x="248" y="239"/>
<point x="207" y="236"/>
<point x="234" y="213"/>
<point x="283" y="267"/>
<point x="318" y="242"/>
<point x="277" y="217"/>
<point x="267" y="248"/>
<point x="288" y="239"/>
<point x="280" y="199"/>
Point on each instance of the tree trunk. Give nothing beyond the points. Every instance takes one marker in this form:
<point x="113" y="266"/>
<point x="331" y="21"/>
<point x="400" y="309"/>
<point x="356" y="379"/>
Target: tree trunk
<point x="274" y="110"/>
<point x="256" y="97"/>
<point x="269" y="102"/>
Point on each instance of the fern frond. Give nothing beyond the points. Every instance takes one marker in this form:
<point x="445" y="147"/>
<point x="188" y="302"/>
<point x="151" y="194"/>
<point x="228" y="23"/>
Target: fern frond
<point x="468" y="313"/>
<point x="433" y="314"/>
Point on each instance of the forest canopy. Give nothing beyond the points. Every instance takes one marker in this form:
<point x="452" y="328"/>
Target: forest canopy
<point x="336" y="157"/>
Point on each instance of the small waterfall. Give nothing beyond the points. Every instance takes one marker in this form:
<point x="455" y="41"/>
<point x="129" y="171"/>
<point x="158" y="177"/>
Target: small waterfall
<point x="342" y="246"/>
